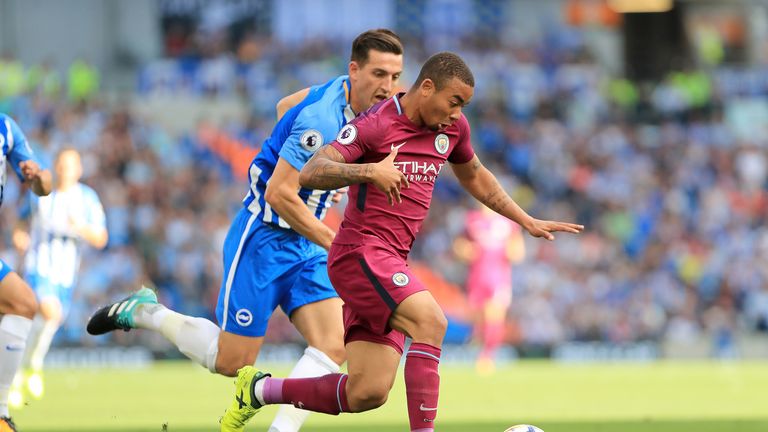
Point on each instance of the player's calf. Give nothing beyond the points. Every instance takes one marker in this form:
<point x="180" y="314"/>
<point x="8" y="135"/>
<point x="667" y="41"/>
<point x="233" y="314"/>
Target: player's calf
<point x="236" y="351"/>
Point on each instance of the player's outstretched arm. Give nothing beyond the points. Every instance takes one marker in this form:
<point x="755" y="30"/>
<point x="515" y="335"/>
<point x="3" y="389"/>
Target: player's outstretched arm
<point x="484" y="186"/>
<point x="328" y="170"/>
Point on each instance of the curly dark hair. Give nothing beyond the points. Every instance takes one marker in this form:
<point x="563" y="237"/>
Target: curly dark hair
<point x="443" y="66"/>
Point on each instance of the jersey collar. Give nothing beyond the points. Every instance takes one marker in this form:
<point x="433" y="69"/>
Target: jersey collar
<point x="349" y="114"/>
<point x="396" y="99"/>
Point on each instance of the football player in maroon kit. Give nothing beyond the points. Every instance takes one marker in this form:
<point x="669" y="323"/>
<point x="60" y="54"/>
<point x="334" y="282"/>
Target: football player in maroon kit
<point x="390" y="156"/>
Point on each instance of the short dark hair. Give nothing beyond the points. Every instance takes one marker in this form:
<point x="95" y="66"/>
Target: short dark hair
<point x="443" y="66"/>
<point x="382" y="39"/>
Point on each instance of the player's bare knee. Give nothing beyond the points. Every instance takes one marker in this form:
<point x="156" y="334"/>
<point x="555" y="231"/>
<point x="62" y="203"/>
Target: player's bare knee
<point x="440" y="325"/>
<point x="24" y="305"/>
<point x="50" y="313"/>
<point x="430" y="328"/>
<point x="367" y="397"/>
<point x="335" y="352"/>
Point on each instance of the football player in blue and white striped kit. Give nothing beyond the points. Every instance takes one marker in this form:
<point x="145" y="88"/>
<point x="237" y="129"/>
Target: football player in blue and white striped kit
<point x="59" y="225"/>
<point x="17" y="301"/>
<point x="275" y="253"/>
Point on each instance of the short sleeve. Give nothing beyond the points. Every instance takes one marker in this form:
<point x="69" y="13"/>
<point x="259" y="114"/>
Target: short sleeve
<point x="463" y="151"/>
<point x="352" y="140"/>
<point x="95" y="216"/>
<point x="21" y="151"/>
<point x="308" y="133"/>
<point x="28" y="204"/>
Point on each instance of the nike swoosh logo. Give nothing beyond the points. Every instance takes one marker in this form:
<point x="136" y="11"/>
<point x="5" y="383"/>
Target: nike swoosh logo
<point x="423" y="408"/>
<point x="397" y="147"/>
<point x="13" y="348"/>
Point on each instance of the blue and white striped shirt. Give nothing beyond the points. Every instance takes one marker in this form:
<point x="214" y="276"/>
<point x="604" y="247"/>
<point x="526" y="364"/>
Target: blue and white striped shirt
<point x="300" y="132"/>
<point x="55" y="249"/>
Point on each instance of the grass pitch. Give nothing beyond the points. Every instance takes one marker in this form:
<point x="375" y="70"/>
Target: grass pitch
<point x="596" y="397"/>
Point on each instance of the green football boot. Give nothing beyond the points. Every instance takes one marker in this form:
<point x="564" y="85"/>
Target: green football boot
<point x="245" y="404"/>
<point x="120" y="315"/>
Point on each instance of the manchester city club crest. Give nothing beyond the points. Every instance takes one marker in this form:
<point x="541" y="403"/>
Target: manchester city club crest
<point x="400" y="279"/>
<point x="347" y="134"/>
<point x="311" y="140"/>
<point x="442" y="143"/>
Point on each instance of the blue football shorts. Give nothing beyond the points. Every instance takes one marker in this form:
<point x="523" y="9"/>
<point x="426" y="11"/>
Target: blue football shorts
<point x="266" y="267"/>
<point x="4" y="269"/>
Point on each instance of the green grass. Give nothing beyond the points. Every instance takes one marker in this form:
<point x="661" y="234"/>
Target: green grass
<point x="604" y="397"/>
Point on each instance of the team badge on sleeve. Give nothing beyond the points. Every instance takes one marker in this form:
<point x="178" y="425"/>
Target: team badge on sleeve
<point x="442" y="143"/>
<point x="311" y="140"/>
<point x="347" y="134"/>
<point x="400" y="279"/>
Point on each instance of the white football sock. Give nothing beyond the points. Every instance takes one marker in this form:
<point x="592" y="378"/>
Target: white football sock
<point x="14" y="330"/>
<point x="196" y="338"/>
<point x="34" y="334"/>
<point x="39" y="343"/>
<point x="313" y="363"/>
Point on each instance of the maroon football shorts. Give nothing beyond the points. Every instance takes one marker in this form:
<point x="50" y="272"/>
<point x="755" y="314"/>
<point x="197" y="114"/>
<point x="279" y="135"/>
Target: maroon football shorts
<point x="372" y="279"/>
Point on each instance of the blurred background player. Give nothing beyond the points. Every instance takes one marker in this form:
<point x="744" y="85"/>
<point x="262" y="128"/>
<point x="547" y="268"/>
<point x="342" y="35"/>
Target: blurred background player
<point x="491" y="245"/>
<point x="17" y="301"/>
<point x="59" y="224"/>
<point x="275" y="253"/>
<point x="401" y="143"/>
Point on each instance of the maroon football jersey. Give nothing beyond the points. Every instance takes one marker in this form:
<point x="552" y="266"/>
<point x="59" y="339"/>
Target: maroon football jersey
<point x="421" y="155"/>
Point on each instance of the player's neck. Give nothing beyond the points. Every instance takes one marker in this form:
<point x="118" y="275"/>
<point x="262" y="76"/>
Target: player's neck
<point x="64" y="186"/>
<point x="411" y="109"/>
<point x="356" y="108"/>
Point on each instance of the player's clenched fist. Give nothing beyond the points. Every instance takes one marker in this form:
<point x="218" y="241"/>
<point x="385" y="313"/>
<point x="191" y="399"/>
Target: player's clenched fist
<point x="39" y="179"/>
<point x="30" y="170"/>
<point x="388" y="179"/>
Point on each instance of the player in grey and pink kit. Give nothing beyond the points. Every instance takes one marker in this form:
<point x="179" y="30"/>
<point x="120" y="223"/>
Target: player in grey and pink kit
<point x="390" y="156"/>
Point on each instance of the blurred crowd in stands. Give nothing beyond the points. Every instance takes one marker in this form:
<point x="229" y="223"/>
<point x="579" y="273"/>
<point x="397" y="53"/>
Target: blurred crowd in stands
<point x="670" y="179"/>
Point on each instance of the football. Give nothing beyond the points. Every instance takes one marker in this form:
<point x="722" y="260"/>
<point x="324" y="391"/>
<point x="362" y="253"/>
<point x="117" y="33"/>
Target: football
<point x="523" y="428"/>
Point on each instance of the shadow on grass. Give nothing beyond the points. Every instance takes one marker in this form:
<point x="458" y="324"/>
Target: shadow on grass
<point x="618" y="426"/>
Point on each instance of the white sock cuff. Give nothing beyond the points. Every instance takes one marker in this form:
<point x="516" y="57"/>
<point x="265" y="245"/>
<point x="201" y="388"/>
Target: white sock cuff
<point x="322" y="359"/>
<point x="210" y="356"/>
<point x="16" y="325"/>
